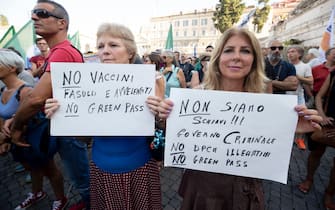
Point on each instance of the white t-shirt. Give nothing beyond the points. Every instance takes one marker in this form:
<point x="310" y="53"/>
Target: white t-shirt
<point x="302" y="70"/>
<point x="314" y="62"/>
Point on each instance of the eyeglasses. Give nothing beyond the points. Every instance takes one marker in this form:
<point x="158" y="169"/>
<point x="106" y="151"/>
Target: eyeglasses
<point x="275" y="47"/>
<point x="42" y="13"/>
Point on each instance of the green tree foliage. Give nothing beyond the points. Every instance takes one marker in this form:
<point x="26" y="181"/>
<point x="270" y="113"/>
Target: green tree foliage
<point x="261" y="15"/>
<point x="292" y="42"/>
<point x="3" y="20"/>
<point x="227" y="13"/>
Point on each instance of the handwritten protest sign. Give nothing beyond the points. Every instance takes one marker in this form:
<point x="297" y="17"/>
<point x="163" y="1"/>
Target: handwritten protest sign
<point x="245" y="134"/>
<point x="102" y="99"/>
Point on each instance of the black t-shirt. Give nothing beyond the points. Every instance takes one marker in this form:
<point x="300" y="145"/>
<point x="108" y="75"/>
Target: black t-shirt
<point x="279" y="72"/>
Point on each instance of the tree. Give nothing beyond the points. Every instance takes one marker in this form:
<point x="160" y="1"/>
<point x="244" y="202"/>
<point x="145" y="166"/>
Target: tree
<point x="3" y="20"/>
<point x="261" y="15"/>
<point x="227" y="13"/>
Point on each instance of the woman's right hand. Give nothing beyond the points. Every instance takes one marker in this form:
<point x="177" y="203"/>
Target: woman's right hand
<point x="164" y="108"/>
<point x="50" y="107"/>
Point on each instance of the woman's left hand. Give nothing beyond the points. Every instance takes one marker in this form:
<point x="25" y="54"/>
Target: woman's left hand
<point x="153" y="103"/>
<point x="309" y="119"/>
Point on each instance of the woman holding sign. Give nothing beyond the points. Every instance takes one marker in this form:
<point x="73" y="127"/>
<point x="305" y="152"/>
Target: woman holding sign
<point x="236" y="65"/>
<point x="122" y="173"/>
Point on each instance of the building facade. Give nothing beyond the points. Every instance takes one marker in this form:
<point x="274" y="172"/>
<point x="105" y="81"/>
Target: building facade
<point x="193" y="31"/>
<point x="305" y="23"/>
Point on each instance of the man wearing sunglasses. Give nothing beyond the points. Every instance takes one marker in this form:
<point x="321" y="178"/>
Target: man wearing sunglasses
<point x="51" y="21"/>
<point x="282" y="73"/>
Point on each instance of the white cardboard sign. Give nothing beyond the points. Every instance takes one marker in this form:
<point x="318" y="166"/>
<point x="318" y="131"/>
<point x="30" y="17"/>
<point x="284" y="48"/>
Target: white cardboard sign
<point x="244" y="134"/>
<point x="102" y="99"/>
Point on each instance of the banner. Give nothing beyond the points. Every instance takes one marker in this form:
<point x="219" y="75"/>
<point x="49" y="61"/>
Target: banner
<point x="24" y="39"/>
<point x="169" y="40"/>
<point x="231" y="132"/>
<point x="7" y="36"/>
<point x="327" y="40"/>
<point x="246" y="18"/>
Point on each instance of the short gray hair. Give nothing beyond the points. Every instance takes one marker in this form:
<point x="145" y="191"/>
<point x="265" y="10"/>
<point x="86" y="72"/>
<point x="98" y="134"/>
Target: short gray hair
<point x="314" y="52"/>
<point x="9" y="59"/>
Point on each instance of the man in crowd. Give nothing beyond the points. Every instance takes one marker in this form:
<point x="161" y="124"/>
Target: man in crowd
<point x="304" y="75"/>
<point x="209" y="48"/>
<point x="51" y="21"/>
<point x="282" y="73"/>
<point x="38" y="61"/>
<point x="187" y="67"/>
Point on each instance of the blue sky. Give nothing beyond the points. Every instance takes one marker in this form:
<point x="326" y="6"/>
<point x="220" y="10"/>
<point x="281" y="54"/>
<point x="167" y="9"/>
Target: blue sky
<point x="86" y="17"/>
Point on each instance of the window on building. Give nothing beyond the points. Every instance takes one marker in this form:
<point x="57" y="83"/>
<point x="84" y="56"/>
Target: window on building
<point x="194" y="33"/>
<point x="203" y="32"/>
<point x="194" y="22"/>
<point x="177" y="34"/>
<point x="185" y="23"/>
<point x="176" y="23"/>
<point x="185" y="33"/>
<point x="204" y="21"/>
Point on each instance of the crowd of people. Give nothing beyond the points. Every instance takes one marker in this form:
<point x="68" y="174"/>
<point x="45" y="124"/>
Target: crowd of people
<point x="122" y="174"/>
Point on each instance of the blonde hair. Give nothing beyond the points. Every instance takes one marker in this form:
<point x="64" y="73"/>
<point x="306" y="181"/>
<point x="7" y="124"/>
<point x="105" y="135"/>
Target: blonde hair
<point x="255" y="81"/>
<point x="121" y="32"/>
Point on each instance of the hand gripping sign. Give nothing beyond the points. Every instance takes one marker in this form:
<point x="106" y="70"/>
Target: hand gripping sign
<point x="244" y="134"/>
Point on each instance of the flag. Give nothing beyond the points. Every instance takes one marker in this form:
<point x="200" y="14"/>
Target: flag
<point x="24" y="39"/>
<point x="75" y="40"/>
<point x="169" y="40"/>
<point x="195" y="50"/>
<point x="246" y="18"/>
<point x="7" y="36"/>
<point x="327" y="40"/>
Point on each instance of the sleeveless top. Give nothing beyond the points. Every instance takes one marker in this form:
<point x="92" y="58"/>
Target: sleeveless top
<point x="171" y="81"/>
<point x="120" y="154"/>
<point x="8" y="109"/>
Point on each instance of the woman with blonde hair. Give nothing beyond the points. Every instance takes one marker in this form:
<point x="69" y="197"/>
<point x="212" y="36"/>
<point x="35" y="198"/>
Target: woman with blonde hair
<point x="123" y="174"/>
<point x="236" y="65"/>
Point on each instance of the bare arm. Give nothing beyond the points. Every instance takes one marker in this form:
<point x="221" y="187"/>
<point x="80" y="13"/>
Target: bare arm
<point x="306" y="80"/>
<point x="160" y="85"/>
<point x="289" y="83"/>
<point x="195" y="79"/>
<point x="318" y="102"/>
<point x="30" y="105"/>
<point x="36" y="71"/>
<point x="181" y="78"/>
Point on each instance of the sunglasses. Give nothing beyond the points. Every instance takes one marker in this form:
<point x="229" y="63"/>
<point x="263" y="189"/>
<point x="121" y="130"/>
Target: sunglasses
<point x="275" y="47"/>
<point x="42" y="13"/>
